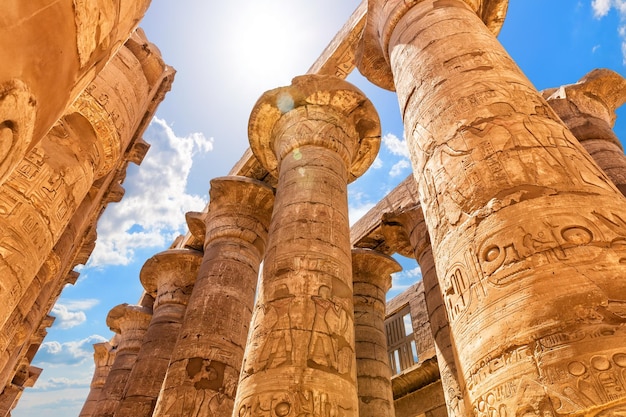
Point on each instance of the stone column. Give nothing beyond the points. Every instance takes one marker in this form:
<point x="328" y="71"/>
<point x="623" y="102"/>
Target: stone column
<point x="588" y="109"/>
<point x="527" y="232"/>
<point x="103" y="357"/>
<point x="131" y="323"/>
<point x="314" y="136"/>
<point x="168" y="276"/>
<point x="371" y="273"/>
<point x="412" y="227"/>
<point x="202" y="377"/>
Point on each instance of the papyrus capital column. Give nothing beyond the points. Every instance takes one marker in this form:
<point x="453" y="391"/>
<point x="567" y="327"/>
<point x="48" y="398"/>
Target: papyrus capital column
<point x="371" y="273"/>
<point x="131" y="323"/>
<point x="588" y="109"/>
<point x="526" y="230"/>
<point x="315" y="136"/>
<point x="169" y="277"/>
<point x="103" y="357"/>
<point x="206" y="361"/>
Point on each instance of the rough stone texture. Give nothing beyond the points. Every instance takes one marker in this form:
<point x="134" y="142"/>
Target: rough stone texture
<point x="25" y="377"/>
<point x="131" y="323"/>
<point x="515" y="208"/>
<point x="588" y="109"/>
<point x="315" y="136"/>
<point x="371" y="273"/>
<point x="76" y="38"/>
<point x="103" y="357"/>
<point x="202" y="377"/>
<point x="168" y="277"/>
<point x="425" y="402"/>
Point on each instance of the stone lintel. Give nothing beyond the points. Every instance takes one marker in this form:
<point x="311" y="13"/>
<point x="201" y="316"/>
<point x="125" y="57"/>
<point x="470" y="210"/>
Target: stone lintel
<point x="197" y="229"/>
<point x="170" y="270"/>
<point x="338" y="99"/>
<point x="383" y="16"/>
<point x="414" y="378"/>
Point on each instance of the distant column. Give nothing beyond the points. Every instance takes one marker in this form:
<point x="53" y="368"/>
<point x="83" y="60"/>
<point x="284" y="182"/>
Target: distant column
<point x="371" y="273"/>
<point x="314" y="136"/>
<point x="201" y="380"/>
<point x="411" y="221"/>
<point x="103" y="357"/>
<point x="131" y="323"/>
<point x="528" y="235"/>
<point x="169" y="277"/>
<point x="588" y="109"/>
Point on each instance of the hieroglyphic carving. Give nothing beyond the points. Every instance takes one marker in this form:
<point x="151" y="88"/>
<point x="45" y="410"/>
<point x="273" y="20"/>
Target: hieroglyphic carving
<point x="293" y="403"/>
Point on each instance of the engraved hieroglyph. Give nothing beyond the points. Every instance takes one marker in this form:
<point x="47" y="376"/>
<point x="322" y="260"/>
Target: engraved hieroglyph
<point x="168" y="277"/>
<point x="204" y="369"/>
<point x="76" y="38"/>
<point x="315" y="136"/>
<point x="526" y="231"/>
<point x="372" y="279"/>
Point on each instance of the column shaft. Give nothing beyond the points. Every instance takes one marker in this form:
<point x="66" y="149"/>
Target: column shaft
<point x="205" y="365"/>
<point x="103" y="358"/>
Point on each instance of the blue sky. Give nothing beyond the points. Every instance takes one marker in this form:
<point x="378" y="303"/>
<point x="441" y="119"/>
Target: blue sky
<point x="226" y="56"/>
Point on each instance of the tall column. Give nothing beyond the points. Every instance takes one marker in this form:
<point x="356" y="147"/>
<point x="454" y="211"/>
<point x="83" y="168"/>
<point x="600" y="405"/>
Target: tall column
<point x="202" y="377"/>
<point x="131" y="323"/>
<point x="527" y="232"/>
<point x="412" y="227"/>
<point x="169" y="277"/>
<point x="588" y="109"/>
<point x="103" y="357"/>
<point x="371" y="273"/>
<point x="314" y="136"/>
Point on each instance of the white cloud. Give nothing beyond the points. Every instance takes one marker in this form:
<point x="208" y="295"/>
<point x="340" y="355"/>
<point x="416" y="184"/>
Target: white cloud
<point x="602" y="7"/>
<point x="71" y="313"/>
<point x="152" y="212"/>
<point x="405" y="278"/>
<point x="595" y="48"/>
<point x="399" y="167"/>
<point x="378" y="163"/>
<point x="68" y="353"/>
<point x="396" y="145"/>
<point x="355" y="212"/>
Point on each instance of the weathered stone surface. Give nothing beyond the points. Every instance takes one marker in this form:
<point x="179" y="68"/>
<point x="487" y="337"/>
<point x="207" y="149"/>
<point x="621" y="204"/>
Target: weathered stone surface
<point x="515" y="208"/>
<point x="205" y="365"/>
<point x="75" y="37"/>
<point x="315" y="136"/>
<point x="131" y="323"/>
<point x="169" y="277"/>
<point x="588" y="109"/>
<point x="371" y="273"/>
<point x="103" y="357"/>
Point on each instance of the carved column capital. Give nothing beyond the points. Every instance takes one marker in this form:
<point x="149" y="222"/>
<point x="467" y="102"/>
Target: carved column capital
<point x="130" y="322"/>
<point x="588" y="107"/>
<point x="384" y="15"/>
<point x="317" y="110"/>
<point x="374" y="268"/>
<point x="169" y="275"/>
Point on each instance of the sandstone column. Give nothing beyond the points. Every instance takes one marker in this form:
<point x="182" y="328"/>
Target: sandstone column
<point x="588" y="109"/>
<point x="413" y="228"/>
<point x="103" y="357"/>
<point x="527" y="233"/>
<point x="202" y="377"/>
<point x="169" y="277"/>
<point x="314" y="136"/>
<point x="131" y="323"/>
<point x="371" y="272"/>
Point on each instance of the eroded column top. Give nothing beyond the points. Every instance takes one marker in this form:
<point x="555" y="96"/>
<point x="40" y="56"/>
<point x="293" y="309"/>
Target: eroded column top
<point x="174" y="268"/>
<point x="374" y="267"/>
<point x="313" y="97"/>
<point x="598" y="94"/>
<point x="125" y="317"/>
<point x="382" y="17"/>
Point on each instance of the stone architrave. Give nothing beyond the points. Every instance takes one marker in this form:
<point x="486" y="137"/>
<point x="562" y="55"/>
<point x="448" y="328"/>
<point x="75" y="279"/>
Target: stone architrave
<point x="103" y="358"/>
<point x="314" y="136"/>
<point x="412" y="228"/>
<point x="77" y="38"/>
<point x="131" y="323"/>
<point x="371" y="273"/>
<point x="169" y="277"/>
<point x="201" y="380"/>
<point x="588" y="109"/>
<point x="528" y="234"/>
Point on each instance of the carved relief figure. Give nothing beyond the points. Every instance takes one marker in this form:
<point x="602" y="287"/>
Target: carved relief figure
<point x="278" y="347"/>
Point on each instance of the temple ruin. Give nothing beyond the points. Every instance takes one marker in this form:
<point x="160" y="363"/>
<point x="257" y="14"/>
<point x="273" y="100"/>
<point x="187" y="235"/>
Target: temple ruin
<point x="272" y="305"/>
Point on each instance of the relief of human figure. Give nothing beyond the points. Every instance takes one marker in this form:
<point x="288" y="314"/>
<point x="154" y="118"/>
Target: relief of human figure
<point x="278" y="347"/>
